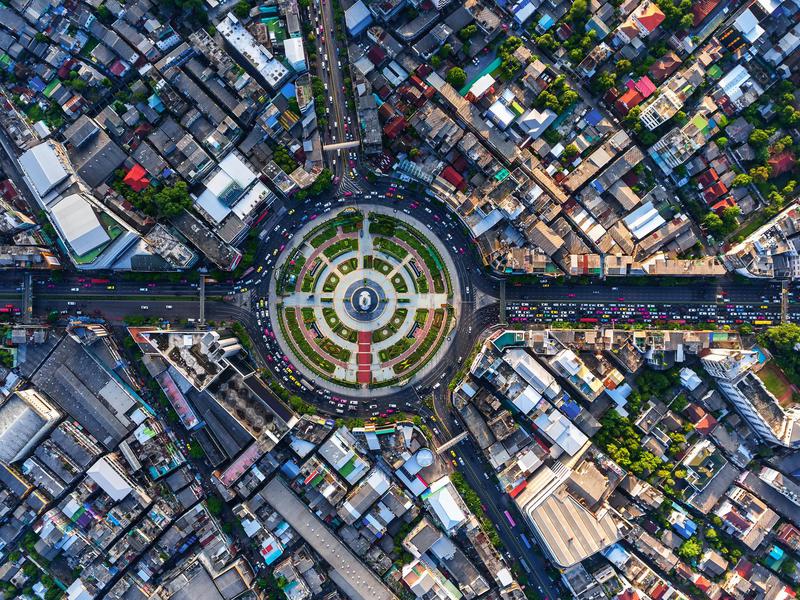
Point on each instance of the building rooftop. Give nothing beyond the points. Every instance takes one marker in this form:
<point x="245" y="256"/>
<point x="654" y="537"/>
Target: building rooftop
<point x="356" y="580"/>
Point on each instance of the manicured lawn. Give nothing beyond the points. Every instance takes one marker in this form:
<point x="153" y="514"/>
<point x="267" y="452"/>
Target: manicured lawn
<point x="399" y="284"/>
<point x="775" y="381"/>
<point x="390" y="248"/>
<point x="304" y="350"/>
<point x="324" y="236"/>
<point x="341" y="247"/>
<point x="330" y="283"/>
<point x="348" y="265"/>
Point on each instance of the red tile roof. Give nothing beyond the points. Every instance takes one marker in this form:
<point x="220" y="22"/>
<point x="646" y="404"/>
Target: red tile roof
<point x="645" y="87"/>
<point x="781" y="163"/>
<point x="394" y="127"/>
<point x="376" y="55"/>
<point x="726" y="202"/>
<point x="701" y="9"/>
<point x="707" y="177"/>
<point x="627" y="101"/>
<point x="664" y="66"/>
<point x="651" y="18"/>
<point x="706" y="425"/>
<point x="714" y="191"/>
<point x="136" y="178"/>
<point x="452" y="176"/>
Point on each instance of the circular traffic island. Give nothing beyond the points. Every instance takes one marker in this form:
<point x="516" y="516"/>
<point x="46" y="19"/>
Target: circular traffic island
<point x="364" y="300"/>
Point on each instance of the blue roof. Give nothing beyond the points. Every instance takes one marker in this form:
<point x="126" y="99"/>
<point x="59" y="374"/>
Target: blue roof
<point x="594" y="117"/>
<point x="36" y="84"/>
<point x="546" y="22"/>
<point x="571" y="409"/>
<point x="290" y="469"/>
<point x="288" y="90"/>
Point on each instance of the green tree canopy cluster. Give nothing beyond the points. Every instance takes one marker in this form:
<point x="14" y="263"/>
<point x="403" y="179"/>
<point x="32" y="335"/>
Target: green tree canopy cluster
<point x="456" y="77"/>
<point x="677" y="15"/>
<point x="782" y="341"/>
<point x="622" y="442"/>
<point x="558" y="96"/>
<point x="322" y="183"/>
<point x="158" y="201"/>
<point x="724" y="224"/>
<point x="505" y="52"/>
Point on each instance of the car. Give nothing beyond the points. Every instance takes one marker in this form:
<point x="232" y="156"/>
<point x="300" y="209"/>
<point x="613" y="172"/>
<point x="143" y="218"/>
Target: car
<point x="291" y="212"/>
<point x="168" y="307"/>
<point x="111" y="287"/>
<point x="75" y="289"/>
<point x="144" y="307"/>
<point x="70" y="303"/>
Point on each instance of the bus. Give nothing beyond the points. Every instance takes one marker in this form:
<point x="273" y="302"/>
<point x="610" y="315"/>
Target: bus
<point x="510" y="520"/>
<point x="100" y="281"/>
<point x="588" y="320"/>
<point x="525" y="541"/>
<point x="762" y="322"/>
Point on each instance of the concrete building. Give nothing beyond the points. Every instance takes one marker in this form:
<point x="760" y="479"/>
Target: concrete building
<point x="270" y="70"/>
<point x="45" y="166"/>
<point x="751" y="398"/>
<point x="25" y="418"/>
<point x="357" y="18"/>
<point x="347" y="570"/>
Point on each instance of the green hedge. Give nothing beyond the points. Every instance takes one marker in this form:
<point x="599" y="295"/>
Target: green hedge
<point x="306" y="352"/>
<point x="341" y="247"/>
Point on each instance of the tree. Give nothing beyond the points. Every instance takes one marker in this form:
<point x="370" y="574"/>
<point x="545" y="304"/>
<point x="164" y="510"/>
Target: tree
<point x="456" y="77"/>
<point x="781" y="341"/>
<point x="624" y="66"/>
<point x="196" y="451"/>
<point x="242" y="9"/>
<point x="742" y="180"/>
<point x="759" y="137"/>
<point x="436" y="61"/>
<point x="713" y="223"/>
<point x="691" y="549"/>
<point x="604" y="81"/>
<point x="730" y="216"/>
<point x="760" y="173"/>
<point x="468" y="31"/>
<point x="215" y="505"/>
<point x="571" y="150"/>
<point x="722" y="142"/>
<point x="546" y="41"/>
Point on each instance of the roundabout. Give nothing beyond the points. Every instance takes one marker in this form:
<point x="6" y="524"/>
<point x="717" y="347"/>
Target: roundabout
<point x="364" y="300"/>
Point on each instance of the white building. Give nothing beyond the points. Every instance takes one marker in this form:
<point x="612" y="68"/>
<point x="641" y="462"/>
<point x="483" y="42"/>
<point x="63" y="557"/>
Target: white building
<point x="110" y="478"/>
<point x="78" y="224"/>
<point x="532" y="371"/>
<point x="268" y="67"/>
<point x="45" y="166"/>
<point x="445" y="503"/>
<point x="728" y="364"/>
<point x="295" y="54"/>
<point x="643" y="221"/>
<point x="232" y="187"/>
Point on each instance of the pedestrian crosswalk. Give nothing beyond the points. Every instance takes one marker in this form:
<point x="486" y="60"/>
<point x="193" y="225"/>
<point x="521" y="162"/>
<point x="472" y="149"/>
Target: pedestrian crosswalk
<point x="348" y="185"/>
